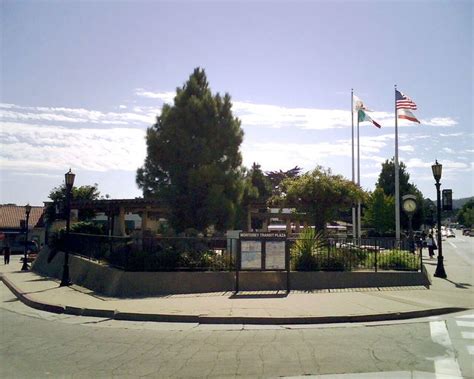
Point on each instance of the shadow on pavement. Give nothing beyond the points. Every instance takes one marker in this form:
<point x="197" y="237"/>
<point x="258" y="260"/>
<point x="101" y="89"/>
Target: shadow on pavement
<point x="464" y="286"/>
<point x="39" y="280"/>
<point x="256" y="295"/>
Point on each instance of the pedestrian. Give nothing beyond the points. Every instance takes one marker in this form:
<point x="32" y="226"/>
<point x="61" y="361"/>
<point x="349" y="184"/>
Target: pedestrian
<point x="431" y="245"/>
<point x="6" y="255"/>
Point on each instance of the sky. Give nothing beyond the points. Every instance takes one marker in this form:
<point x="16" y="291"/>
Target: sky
<point x="81" y="81"/>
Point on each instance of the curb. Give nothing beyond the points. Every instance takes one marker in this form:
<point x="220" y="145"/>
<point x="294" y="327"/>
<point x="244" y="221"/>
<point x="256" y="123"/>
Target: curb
<point x="24" y="298"/>
<point x="200" y="319"/>
<point x="285" y="320"/>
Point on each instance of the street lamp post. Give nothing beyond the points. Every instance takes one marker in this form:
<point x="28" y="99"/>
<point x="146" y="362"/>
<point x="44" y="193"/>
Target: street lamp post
<point x="25" y="258"/>
<point x="437" y="170"/>
<point x="69" y="179"/>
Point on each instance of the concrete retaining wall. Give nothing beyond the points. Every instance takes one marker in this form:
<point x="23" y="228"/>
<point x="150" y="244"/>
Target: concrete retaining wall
<point x="117" y="283"/>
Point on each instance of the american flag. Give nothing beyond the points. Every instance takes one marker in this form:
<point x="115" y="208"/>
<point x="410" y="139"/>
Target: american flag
<point x="404" y="102"/>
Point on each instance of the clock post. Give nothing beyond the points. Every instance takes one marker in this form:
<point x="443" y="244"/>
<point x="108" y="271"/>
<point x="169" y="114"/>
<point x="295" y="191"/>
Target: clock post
<point x="409" y="206"/>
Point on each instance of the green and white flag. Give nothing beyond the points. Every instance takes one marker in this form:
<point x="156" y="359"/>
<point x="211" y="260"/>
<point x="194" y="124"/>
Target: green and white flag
<point x="362" y="110"/>
<point x="363" y="116"/>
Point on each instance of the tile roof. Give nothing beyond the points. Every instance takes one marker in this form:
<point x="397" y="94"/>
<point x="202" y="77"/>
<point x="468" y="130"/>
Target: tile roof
<point x="10" y="216"/>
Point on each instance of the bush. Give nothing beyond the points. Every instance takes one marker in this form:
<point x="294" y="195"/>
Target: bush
<point x="306" y="249"/>
<point x="394" y="260"/>
<point x="87" y="227"/>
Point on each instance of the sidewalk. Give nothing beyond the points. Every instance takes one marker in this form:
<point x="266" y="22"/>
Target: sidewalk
<point x="263" y="307"/>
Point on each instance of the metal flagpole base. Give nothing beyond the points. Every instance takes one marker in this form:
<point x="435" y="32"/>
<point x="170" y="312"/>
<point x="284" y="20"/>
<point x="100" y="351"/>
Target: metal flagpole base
<point x="440" y="273"/>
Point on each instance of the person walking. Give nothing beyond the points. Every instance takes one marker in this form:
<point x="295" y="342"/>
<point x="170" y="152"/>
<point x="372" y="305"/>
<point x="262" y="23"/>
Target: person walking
<point x="6" y="255"/>
<point x="431" y="245"/>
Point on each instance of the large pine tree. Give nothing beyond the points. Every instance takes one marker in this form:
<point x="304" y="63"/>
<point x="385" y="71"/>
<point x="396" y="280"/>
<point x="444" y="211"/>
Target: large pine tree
<point x="193" y="160"/>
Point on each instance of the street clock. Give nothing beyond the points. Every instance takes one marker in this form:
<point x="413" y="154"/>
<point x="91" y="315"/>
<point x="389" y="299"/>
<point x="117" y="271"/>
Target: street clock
<point x="409" y="204"/>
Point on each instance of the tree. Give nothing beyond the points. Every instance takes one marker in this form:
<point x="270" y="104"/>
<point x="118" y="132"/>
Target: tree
<point x="380" y="212"/>
<point x="193" y="158"/>
<point x="261" y="183"/>
<point x="58" y="197"/>
<point x="465" y="215"/>
<point x="320" y="194"/>
<point x="277" y="177"/>
<point x="429" y="212"/>
<point x="386" y="181"/>
<point x="256" y="189"/>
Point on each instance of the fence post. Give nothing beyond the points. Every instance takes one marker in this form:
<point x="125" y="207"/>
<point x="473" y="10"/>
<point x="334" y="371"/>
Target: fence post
<point x="421" y="256"/>
<point x="329" y="254"/>
<point x="377" y="247"/>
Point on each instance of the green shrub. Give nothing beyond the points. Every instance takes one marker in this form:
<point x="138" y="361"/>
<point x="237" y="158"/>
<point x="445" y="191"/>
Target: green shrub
<point x="307" y="249"/>
<point x="394" y="260"/>
<point x="87" y="227"/>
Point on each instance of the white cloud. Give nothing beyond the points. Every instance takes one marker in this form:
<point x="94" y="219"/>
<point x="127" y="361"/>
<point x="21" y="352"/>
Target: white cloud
<point x="166" y="97"/>
<point x="76" y="115"/>
<point x="407" y="148"/>
<point x="447" y="164"/>
<point x="439" y="121"/>
<point x="417" y="163"/>
<point x="371" y="175"/>
<point x="273" y="116"/>
<point x="275" y="156"/>
<point x="448" y="150"/>
<point x="45" y="147"/>
<point x="451" y="134"/>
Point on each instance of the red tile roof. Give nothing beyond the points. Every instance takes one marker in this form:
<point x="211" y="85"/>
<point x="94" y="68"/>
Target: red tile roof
<point x="10" y="216"/>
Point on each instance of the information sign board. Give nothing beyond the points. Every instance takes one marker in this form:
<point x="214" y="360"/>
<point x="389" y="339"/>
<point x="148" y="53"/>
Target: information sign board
<point x="275" y="255"/>
<point x="263" y="251"/>
<point x="251" y="255"/>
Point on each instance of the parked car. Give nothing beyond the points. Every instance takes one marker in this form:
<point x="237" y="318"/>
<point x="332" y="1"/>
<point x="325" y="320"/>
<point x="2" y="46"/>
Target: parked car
<point x="466" y="232"/>
<point x="450" y="233"/>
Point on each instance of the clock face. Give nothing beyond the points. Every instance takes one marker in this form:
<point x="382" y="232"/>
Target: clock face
<point x="409" y="205"/>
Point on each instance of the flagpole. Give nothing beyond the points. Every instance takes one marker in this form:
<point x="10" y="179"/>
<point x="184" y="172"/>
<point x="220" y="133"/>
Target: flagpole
<point x="353" y="169"/>
<point x="397" y="174"/>
<point x="359" y="228"/>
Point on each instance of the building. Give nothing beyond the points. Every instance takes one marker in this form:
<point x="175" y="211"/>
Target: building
<point x="12" y="228"/>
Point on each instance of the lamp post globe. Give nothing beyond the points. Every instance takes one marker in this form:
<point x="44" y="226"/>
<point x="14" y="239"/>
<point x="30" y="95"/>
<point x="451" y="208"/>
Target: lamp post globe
<point x="437" y="169"/>
<point x="24" y="267"/>
<point x="69" y="181"/>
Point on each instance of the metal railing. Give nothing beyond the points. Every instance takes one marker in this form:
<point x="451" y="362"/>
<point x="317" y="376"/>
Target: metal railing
<point x="340" y="254"/>
<point x="219" y="254"/>
<point x="156" y="253"/>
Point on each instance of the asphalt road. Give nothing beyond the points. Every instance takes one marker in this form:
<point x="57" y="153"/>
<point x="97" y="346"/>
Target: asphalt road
<point x="37" y="344"/>
<point x="461" y="245"/>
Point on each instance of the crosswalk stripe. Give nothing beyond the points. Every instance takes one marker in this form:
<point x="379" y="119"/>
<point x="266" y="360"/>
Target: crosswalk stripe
<point x="465" y="316"/>
<point x="447" y="364"/>
<point x="468" y="335"/>
<point x="470" y="349"/>
<point x="465" y="324"/>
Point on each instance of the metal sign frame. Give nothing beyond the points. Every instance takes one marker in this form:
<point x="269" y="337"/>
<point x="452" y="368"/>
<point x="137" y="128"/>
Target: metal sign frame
<point x="447" y="200"/>
<point x="261" y="242"/>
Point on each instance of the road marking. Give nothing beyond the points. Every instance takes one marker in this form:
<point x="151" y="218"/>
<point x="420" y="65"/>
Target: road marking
<point x="452" y="244"/>
<point x="447" y="364"/>
<point x="466" y="316"/>
<point x="470" y="349"/>
<point x="468" y="335"/>
<point x="465" y="324"/>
